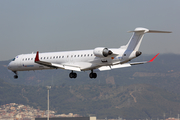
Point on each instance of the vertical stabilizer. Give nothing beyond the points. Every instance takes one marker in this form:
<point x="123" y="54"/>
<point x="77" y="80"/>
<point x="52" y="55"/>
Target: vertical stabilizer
<point x="135" y="41"/>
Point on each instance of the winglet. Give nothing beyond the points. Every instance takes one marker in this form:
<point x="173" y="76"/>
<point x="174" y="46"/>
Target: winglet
<point x="37" y="57"/>
<point x="153" y="58"/>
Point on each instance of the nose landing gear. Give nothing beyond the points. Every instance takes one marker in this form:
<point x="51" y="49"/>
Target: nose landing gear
<point x="16" y="75"/>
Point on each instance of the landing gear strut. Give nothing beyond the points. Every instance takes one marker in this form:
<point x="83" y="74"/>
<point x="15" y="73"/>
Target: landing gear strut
<point x="16" y="75"/>
<point x="92" y="75"/>
<point x="72" y="75"/>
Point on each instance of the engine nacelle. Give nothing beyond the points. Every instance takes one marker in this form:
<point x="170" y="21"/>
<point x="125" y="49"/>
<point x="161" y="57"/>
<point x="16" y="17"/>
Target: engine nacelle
<point x="102" y="52"/>
<point x="131" y="54"/>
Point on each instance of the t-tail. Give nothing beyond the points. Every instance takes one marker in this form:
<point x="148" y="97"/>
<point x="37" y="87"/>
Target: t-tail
<point x="135" y="41"/>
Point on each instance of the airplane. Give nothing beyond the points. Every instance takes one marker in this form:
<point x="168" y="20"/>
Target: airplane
<point x="98" y="59"/>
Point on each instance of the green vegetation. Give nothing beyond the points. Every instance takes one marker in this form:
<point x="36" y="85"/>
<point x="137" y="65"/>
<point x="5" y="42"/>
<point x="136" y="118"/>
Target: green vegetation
<point x="133" y="101"/>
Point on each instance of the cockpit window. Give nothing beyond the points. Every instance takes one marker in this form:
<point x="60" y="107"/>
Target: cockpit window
<point x="13" y="59"/>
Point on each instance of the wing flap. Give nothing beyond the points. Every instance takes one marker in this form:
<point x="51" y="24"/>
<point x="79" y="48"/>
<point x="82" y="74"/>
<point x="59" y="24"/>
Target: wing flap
<point x="57" y="65"/>
<point x="120" y="66"/>
<point x="72" y="68"/>
<point x="103" y="68"/>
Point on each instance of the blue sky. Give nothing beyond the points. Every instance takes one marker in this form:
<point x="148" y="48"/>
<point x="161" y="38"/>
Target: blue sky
<point x="59" y="25"/>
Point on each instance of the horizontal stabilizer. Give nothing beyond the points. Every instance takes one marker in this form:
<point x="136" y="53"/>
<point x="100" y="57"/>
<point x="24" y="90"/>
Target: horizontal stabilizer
<point x="156" y="31"/>
<point x="144" y="30"/>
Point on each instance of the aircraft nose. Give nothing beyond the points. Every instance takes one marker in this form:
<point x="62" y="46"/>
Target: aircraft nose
<point x="10" y="66"/>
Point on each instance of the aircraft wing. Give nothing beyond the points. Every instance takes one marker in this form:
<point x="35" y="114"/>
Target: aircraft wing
<point x="54" y="65"/>
<point x="110" y="67"/>
<point x="87" y="66"/>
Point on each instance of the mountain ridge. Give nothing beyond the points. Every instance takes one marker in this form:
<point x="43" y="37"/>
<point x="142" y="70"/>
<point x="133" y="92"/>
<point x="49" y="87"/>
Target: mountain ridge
<point x="144" y="91"/>
<point x="136" y="101"/>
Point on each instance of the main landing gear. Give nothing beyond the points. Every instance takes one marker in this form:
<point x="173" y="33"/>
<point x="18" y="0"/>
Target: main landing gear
<point x="92" y="75"/>
<point x="16" y="75"/>
<point x="72" y="75"/>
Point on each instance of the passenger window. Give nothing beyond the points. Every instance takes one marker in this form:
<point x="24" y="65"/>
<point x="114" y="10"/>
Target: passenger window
<point x="28" y="58"/>
<point x="22" y="59"/>
<point x="81" y="55"/>
<point x="59" y="56"/>
<point x="84" y="55"/>
<point x="44" y="57"/>
<point x="78" y="55"/>
<point x="74" y="55"/>
<point x="50" y="57"/>
<point x="88" y="55"/>
<point x="62" y="56"/>
<point x="67" y="56"/>
<point x="31" y="58"/>
<point x="41" y="57"/>
<point x="47" y="57"/>
<point x="56" y="56"/>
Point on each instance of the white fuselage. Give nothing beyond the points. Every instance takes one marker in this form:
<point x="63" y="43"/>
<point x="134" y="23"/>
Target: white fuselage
<point x="84" y="59"/>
